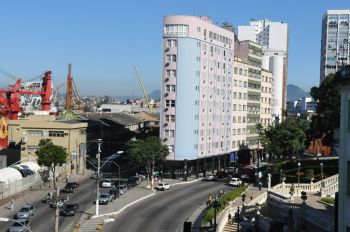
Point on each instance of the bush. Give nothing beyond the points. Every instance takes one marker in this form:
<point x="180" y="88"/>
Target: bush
<point x="223" y="202"/>
<point x="329" y="200"/>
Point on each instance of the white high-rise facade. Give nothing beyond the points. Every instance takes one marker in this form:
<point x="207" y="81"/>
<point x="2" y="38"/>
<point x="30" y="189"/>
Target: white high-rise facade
<point x="335" y="41"/>
<point x="273" y="37"/>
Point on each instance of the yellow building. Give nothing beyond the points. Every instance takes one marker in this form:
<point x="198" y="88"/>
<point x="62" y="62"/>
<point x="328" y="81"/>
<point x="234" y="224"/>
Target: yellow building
<point x="69" y="134"/>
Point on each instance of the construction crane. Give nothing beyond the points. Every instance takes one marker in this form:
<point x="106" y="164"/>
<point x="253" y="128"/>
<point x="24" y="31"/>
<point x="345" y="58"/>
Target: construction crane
<point x="143" y="89"/>
<point x="72" y="92"/>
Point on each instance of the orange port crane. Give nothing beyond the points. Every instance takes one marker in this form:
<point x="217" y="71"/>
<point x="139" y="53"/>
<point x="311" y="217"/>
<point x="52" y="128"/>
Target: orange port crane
<point x="72" y="93"/>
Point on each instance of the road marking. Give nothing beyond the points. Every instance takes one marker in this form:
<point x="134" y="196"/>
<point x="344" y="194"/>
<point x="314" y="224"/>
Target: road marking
<point x="108" y="220"/>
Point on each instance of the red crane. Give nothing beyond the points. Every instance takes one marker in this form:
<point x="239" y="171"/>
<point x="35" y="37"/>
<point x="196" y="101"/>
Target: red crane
<point x="10" y="103"/>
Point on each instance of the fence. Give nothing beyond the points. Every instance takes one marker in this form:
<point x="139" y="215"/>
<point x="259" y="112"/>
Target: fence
<point x="39" y="177"/>
<point x="325" y="186"/>
<point x="17" y="186"/>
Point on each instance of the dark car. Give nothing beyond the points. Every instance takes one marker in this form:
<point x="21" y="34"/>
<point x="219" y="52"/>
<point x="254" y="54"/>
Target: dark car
<point x="70" y="210"/>
<point x="114" y="193"/>
<point x="20" y="225"/>
<point x="70" y="187"/>
<point x="132" y="181"/>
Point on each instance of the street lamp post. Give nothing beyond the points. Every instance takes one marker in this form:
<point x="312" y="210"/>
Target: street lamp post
<point x="4" y="219"/>
<point x="298" y="176"/>
<point x="98" y="176"/>
<point x="321" y="173"/>
<point x="281" y="175"/>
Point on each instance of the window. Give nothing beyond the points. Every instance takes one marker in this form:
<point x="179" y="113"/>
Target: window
<point x="170" y="58"/>
<point x="170" y="118"/>
<point x="35" y="133"/>
<point x="56" y="133"/>
<point x="170" y="103"/>
<point x="240" y="71"/>
<point x="235" y="82"/>
<point x="170" y="73"/>
<point x="169" y="133"/>
<point x="171" y="43"/>
<point x="170" y="88"/>
<point x="235" y="70"/>
<point x="176" y="30"/>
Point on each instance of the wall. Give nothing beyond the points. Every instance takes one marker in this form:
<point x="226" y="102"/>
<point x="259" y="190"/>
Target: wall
<point x="186" y="109"/>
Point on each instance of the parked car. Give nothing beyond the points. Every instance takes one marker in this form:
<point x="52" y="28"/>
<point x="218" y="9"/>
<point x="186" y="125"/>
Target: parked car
<point x="122" y="188"/>
<point x="107" y="183"/>
<point x="71" y="187"/>
<point x="210" y="178"/>
<point x="163" y="186"/>
<point x="26" y="211"/>
<point x="94" y="176"/>
<point x="60" y="202"/>
<point x="18" y="226"/>
<point x="104" y="198"/>
<point x="70" y="210"/>
<point x="114" y="193"/>
<point x="132" y="181"/>
<point x="235" y="182"/>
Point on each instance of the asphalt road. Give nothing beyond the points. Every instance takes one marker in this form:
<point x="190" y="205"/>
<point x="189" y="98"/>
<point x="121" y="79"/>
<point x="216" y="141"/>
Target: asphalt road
<point x="167" y="211"/>
<point x="44" y="218"/>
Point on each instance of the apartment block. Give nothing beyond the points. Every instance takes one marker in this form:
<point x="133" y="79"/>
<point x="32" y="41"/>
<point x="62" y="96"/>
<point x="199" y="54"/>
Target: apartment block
<point x="196" y="113"/>
<point x="273" y="37"/>
<point x="335" y="41"/>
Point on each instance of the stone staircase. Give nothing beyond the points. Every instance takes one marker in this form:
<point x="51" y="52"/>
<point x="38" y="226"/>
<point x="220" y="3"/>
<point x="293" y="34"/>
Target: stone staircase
<point x="230" y="227"/>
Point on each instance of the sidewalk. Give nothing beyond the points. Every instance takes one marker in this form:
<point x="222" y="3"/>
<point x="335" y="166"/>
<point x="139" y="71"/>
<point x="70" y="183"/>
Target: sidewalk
<point x="108" y="213"/>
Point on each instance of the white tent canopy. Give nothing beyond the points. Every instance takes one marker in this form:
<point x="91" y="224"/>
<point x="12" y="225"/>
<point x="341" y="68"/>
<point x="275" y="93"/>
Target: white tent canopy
<point x="8" y="175"/>
<point x="32" y="166"/>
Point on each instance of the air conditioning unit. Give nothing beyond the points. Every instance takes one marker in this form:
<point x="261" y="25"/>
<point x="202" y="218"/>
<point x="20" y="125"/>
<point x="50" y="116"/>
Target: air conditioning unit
<point x="166" y="79"/>
<point x="166" y="109"/>
<point x="166" y="64"/>
<point x="165" y="124"/>
<point x="167" y="49"/>
<point x="24" y="139"/>
<point x="166" y="94"/>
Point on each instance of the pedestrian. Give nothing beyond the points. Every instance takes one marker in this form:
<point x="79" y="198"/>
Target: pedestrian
<point x="12" y="204"/>
<point x="251" y="196"/>
<point x="229" y="218"/>
<point x="260" y="185"/>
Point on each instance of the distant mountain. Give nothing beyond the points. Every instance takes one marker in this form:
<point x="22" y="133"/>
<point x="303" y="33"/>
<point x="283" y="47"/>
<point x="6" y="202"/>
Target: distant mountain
<point x="155" y="94"/>
<point x="294" y="92"/>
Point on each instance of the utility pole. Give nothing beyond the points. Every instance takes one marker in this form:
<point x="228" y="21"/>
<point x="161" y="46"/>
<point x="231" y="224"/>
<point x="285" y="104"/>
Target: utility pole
<point x="98" y="175"/>
<point x="57" y="214"/>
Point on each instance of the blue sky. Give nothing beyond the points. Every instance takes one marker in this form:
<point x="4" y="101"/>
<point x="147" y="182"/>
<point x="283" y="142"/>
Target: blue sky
<point x="104" y="39"/>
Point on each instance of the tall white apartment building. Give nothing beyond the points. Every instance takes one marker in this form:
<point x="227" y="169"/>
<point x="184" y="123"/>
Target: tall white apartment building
<point x="273" y="37"/>
<point x="196" y="113"/>
<point x="252" y="96"/>
<point x="335" y="41"/>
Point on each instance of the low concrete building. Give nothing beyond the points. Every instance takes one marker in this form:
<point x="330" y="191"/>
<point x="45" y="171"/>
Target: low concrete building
<point x="71" y="135"/>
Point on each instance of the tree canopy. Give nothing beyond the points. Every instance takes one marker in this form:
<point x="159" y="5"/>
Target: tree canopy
<point x="285" y="138"/>
<point x="50" y="155"/>
<point x="141" y="152"/>
<point x="327" y="116"/>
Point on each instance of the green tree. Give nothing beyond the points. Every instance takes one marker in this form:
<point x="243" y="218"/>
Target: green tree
<point x="142" y="152"/>
<point x="51" y="156"/>
<point x="327" y="116"/>
<point x="284" y="139"/>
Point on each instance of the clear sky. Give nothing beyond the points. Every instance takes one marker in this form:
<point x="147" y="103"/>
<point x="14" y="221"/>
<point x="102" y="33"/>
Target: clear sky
<point x="103" y="39"/>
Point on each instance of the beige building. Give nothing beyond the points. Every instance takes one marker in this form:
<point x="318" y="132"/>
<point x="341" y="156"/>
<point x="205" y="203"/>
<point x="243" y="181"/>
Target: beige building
<point x="69" y="134"/>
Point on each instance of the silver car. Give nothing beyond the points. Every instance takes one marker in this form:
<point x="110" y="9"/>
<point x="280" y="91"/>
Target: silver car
<point x="104" y="198"/>
<point x="20" y="226"/>
<point x="26" y="211"/>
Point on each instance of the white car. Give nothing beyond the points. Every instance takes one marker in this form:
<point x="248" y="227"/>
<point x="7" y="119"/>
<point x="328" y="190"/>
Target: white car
<point x="107" y="183"/>
<point x="235" y="182"/>
<point x="210" y="178"/>
<point x="163" y="186"/>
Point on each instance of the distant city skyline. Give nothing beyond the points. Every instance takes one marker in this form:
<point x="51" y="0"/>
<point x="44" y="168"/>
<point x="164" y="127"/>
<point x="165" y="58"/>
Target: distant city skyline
<point x="104" y="40"/>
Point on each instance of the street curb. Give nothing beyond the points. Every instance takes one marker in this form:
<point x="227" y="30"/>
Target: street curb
<point x="187" y="182"/>
<point x="126" y="206"/>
